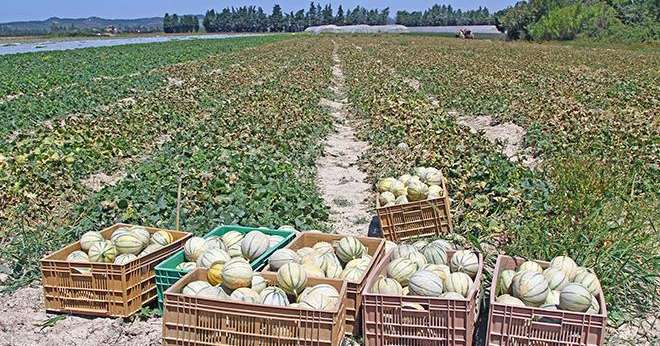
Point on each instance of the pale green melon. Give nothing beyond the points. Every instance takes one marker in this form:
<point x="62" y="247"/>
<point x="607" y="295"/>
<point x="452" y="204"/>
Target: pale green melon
<point x="403" y="250"/>
<point x="418" y="258"/>
<point x="281" y="257"/>
<point x="103" y="252"/>
<point x="274" y="240"/>
<point x="186" y="266"/>
<point x="194" y="287"/>
<point x="530" y="287"/>
<point x="504" y="281"/>
<point x="436" y="190"/>
<point x="400" y="200"/>
<point x="425" y="283"/>
<point x="417" y="191"/>
<point x="556" y="278"/>
<point x="331" y="266"/>
<point x="212" y="255"/>
<point x="531" y="266"/>
<point x="90" y="238"/>
<point x="292" y="278"/>
<point x="552" y="298"/>
<point x="441" y="270"/>
<point x="323" y="247"/>
<point x="319" y="297"/>
<point x="465" y="261"/>
<point x="509" y="300"/>
<point x="312" y="270"/>
<point x="435" y="254"/>
<point x="215" y="242"/>
<point x="575" y="297"/>
<point x="142" y="234"/>
<point x="235" y="251"/>
<point x="594" y="308"/>
<point x="258" y="283"/>
<point x="451" y="295"/>
<point x="194" y="247"/>
<point x="420" y="244"/>
<point x="77" y="256"/>
<point x="151" y="248"/>
<point x="389" y="246"/>
<point x="237" y="273"/>
<point x="349" y="248"/>
<point x="354" y="274"/>
<point x="247" y="295"/>
<point x="124" y="258"/>
<point x="274" y="296"/>
<point x="120" y="231"/>
<point x="162" y="238"/>
<point x="399" y="189"/>
<point x="405" y="178"/>
<point x="384" y="285"/>
<point x="128" y="244"/>
<point x="288" y="228"/>
<point x="459" y="282"/>
<point x="212" y="292"/>
<point x="386" y="198"/>
<point x="385" y="184"/>
<point x="254" y="244"/>
<point x="307" y="252"/>
<point x="565" y="264"/>
<point x="232" y="238"/>
<point x="588" y="280"/>
<point x="445" y="244"/>
<point x="361" y="263"/>
<point x="401" y="269"/>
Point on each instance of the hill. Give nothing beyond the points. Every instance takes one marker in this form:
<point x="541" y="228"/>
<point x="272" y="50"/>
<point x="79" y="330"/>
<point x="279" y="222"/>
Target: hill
<point x="57" y="25"/>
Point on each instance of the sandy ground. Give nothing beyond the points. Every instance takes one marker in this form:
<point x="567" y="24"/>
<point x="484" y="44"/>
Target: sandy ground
<point x="339" y="177"/>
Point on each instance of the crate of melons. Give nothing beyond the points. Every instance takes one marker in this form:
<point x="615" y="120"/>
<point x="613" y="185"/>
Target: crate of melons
<point x="334" y="256"/>
<point x="219" y="245"/>
<point x="414" y="206"/>
<point x="233" y="305"/>
<point x="423" y="294"/>
<point x="545" y="303"/>
<point x="107" y="273"/>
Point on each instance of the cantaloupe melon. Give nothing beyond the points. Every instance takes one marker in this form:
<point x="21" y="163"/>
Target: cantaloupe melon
<point x="254" y="244"/>
<point x="237" y="273"/>
<point x="90" y="238"/>
<point x="292" y="278"/>
<point x="425" y="283"/>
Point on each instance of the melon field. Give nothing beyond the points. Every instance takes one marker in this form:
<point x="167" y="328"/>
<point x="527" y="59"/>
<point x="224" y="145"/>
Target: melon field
<point x="547" y="149"/>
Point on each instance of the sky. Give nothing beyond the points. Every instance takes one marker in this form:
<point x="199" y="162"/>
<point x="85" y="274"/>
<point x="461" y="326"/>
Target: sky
<point x="19" y="10"/>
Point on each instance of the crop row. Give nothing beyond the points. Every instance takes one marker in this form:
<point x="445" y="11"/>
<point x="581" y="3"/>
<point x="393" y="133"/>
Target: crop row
<point x="243" y="132"/>
<point x="594" y="196"/>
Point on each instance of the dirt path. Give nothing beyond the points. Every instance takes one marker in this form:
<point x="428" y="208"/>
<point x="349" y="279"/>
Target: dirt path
<point x="339" y="176"/>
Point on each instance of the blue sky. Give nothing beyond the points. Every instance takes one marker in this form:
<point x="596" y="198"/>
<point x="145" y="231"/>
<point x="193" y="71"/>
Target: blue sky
<point x="14" y="10"/>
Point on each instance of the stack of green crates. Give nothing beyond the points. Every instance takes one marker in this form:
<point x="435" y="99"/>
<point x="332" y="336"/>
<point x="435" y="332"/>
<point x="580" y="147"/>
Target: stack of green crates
<point x="167" y="274"/>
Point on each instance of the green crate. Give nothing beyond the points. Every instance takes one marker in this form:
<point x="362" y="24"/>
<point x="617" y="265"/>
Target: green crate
<point x="167" y="274"/>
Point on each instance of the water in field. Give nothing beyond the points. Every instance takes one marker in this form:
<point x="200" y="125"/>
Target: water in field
<point x="15" y="48"/>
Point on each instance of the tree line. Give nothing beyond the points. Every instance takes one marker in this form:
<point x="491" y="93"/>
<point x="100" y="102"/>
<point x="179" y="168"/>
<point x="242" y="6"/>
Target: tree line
<point x="445" y="15"/>
<point x="176" y="23"/>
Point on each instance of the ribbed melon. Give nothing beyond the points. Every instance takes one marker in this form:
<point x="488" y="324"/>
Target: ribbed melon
<point x="384" y="285"/>
<point x="504" y="281"/>
<point x="304" y="252"/>
<point x="530" y="287"/>
<point x="435" y="254"/>
<point x="142" y="234"/>
<point x="417" y="258"/>
<point x="128" y="244"/>
<point x="120" y="231"/>
<point x="288" y="228"/>
<point x="211" y="292"/>
<point x="389" y="246"/>
<point x="274" y="296"/>
<point x="232" y="238"/>
<point x="254" y="244"/>
<point x="565" y="264"/>
<point x="323" y="247"/>
<point x="281" y="257"/>
<point x="237" y="273"/>
<point x="575" y="297"/>
<point x="459" y="282"/>
<point x="124" y="258"/>
<point x="465" y="261"/>
<point x="441" y="270"/>
<point x="452" y="295"/>
<point x="246" y="295"/>
<point x="319" y="297"/>
<point x="214" y="273"/>
<point x="531" y="266"/>
<point x="420" y="244"/>
<point x="445" y="244"/>
<point x="292" y="278"/>
<point x="77" y="256"/>
<point x="273" y="240"/>
<point x="331" y="266"/>
<point x="151" y="248"/>
<point x="186" y="266"/>
<point x="425" y="283"/>
<point x="557" y="279"/>
<point x="509" y="300"/>
<point x="594" y="308"/>
<point x="103" y="252"/>
<point x="90" y="238"/>
<point x="194" y="247"/>
<point x="361" y="263"/>
<point x="215" y="242"/>
<point x="403" y="250"/>
<point x="354" y="274"/>
<point x="162" y="238"/>
<point x="588" y="280"/>
<point x="212" y="255"/>
<point x="258" y="283"/>
<point x="194" y="287"/>
<point x="349" y="248"/>
<point x="552" y="298"/>
<point x="401" y="269"/>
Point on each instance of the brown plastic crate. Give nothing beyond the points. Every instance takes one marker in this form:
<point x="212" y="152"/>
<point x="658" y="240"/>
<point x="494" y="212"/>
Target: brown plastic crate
<point x="517" y="325"/>
<point x="375" y="248"/>
<point x="416" y="219"/>
<point x="203" y="321"/>
<point x="389" y="320"/>
<point x="103" y="289"/>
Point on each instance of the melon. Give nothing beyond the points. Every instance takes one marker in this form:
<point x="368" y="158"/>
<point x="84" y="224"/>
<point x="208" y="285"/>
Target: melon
<point x="594" y="308"/>
<point x="400" y="200"/>
<point x="247" y="295"/>
<point x="214" y="274"/>
<point x="420" y="244"/>
<point x="459" y="282"/>
<point x="103" y="252"/>
<point x="349" y="248"/>
<point x="232" y="238"/>
<point x="385" y="198"/>
<point x="552" y="298"/>
<point x="417" y="258"/>
<point x="331" y="266"/>
<point x="258" y="283"/>
<point x="399" y="189"/>
<point x="575" y="297"/>
<point x="425" y="283"/>
<point x="465" y="261"/>
<point x="361" y="263"/>
<point x="352" y="274"/>
<point x="588" y="280"/>
<point x="292" y="278"/>
<point x="274" y="296"/>
<point x="186" y="266"/>
<point x="436" y="190"/>
<point x="323" y="247"/>
<point x="435" y="254"/>
<point x="237" y="273"/>
<point x="384" y="285"/>
<point x="162" y="238"/>
<point x="403" y="250"/>
<point x="405" y="291"/>
<point x="312" y="270"/>
<point x="451" y="295"/>
<point x="441" y="270"/>
<point x="389" y="246"/>
<point x="385" y="184"/>
<point x="531" y="266"/>
<point x="417" y="191"/>
<point x="235" y="251"/>
<point x="504" y="281"/>
<point x="118" y="233"/>
<point x="530" y="287"/>
<point x="254" y="244"/>
<point x="142" y="234"/>
<point x="211" y="292"/>
<point x="565" y="264"/>
<point x="282" y="257"/>
<point x="445" y="244"/>
<point x="194" y="287"/>
<point x="274" y="240"/>
<point x="77" y="256"/>
<point x="151" y="248"/>
<point x="288" y="228"/>
<point x="556" y="278"/>
<point x="194" y="247"/>
<point x="90" y="238"/>
<point x="580" y="270"/>
<point x="509" y="300"/>
<point x="128" y="244"/>
<point x="215" y="242"/>
<point x="212" y="255"/>
<point x="401" y="269"/>
<point x="319" y="297"/>
<point x="307" y="252"/>
<point x="124" y="258"/>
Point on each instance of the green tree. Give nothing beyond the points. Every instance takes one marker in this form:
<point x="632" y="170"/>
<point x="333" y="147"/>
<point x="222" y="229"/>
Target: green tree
<point x="339" y="19"/>
<point x="276" y="19"/>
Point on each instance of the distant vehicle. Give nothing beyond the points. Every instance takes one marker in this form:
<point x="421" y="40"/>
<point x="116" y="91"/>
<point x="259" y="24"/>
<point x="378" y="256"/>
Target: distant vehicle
<point x="464" y="34"/>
